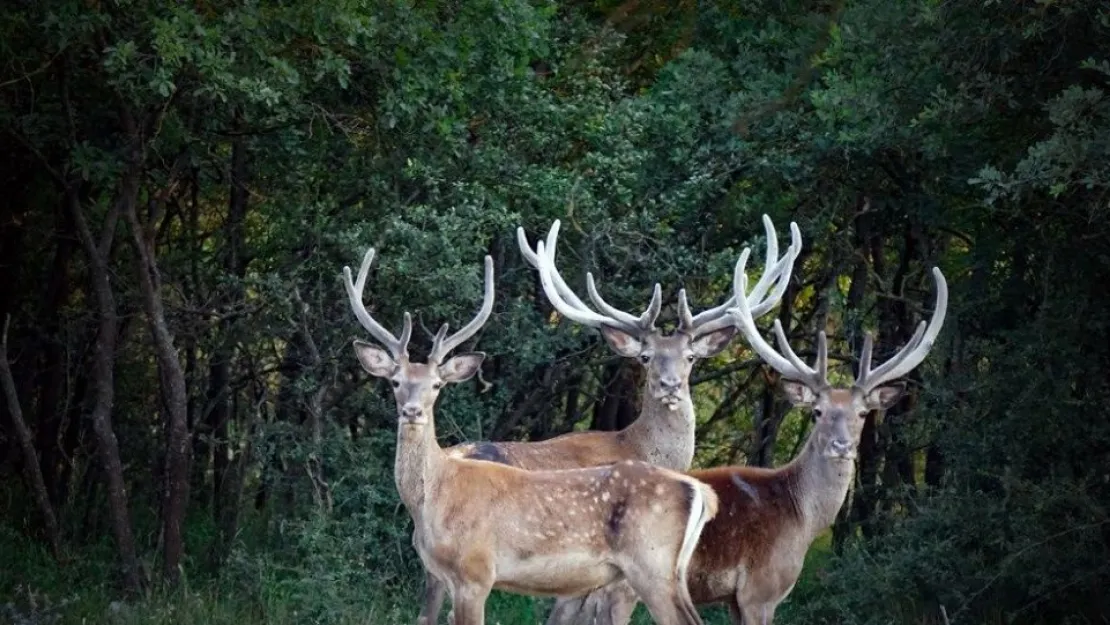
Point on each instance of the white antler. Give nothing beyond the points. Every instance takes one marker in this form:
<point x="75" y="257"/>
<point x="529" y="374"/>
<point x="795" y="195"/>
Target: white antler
<point x="788" y="363"/>
<point x="776" y="274"/>
<point x="441" y="346"/>
<point x="570" y="305"/>
<point x="397" y="347"/>
<point x="913" y="353"/>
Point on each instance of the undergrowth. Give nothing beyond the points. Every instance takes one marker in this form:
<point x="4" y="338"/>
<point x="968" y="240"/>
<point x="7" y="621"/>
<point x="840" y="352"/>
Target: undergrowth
<point x="34" y="590"/>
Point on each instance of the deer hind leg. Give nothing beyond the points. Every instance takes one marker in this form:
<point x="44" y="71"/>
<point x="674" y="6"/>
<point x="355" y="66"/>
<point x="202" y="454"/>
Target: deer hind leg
<point x="434" y="589"/>
<point x="664" y="598"/>
<point x="758" y="614"/>
<point x="615" y="603"/>
<point x="468" y="602"/>
<point x="735" y="614"/>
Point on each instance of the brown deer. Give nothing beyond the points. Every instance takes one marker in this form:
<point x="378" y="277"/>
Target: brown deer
<point x="482" y="525"/>
<point x="749" y="557"/>
<point x="664" y="431"/>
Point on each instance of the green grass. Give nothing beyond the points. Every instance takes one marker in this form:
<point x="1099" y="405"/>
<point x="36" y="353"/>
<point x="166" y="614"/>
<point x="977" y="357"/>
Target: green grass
<point x="34" y="590"/>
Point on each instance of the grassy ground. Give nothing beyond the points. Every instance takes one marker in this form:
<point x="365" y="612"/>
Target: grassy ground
<point x="35" y="591"/>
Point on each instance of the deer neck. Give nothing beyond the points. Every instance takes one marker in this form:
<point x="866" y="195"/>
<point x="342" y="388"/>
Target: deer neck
<point x="418" y="463"/>
<point x="821" y="486"/>
<point x="663" y="436"/>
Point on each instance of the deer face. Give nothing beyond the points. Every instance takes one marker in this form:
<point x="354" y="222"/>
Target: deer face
<point x="668" y="359"/>
<point x="416" y="385"/>
<point x="839" y="414"/>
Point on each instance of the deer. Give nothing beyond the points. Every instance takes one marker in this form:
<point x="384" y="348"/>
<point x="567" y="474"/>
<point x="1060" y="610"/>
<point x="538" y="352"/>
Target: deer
<point x="663" y="433"/>
<point x="482" y="525"/>
<point x="750" y="555"/>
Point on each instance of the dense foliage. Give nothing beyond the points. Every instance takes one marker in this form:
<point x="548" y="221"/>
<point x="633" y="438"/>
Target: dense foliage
<point x="183" y="183"/>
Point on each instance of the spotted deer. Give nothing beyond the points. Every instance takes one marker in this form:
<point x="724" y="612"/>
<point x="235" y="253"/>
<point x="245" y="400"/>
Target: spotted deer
<point x="663" y="433"/>
<point x="750" y="555"/>
<point x="481" y="525"/>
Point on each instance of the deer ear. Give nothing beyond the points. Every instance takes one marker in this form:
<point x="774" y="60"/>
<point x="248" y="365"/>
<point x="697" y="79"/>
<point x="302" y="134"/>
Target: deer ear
<point x="711" y="343"/>
<point x="461" y="367"/>
<point x="799" y="394"/>
<point x="374" y="359"/>
<point x="622" y="342"/>
<point x="884" y="397"/>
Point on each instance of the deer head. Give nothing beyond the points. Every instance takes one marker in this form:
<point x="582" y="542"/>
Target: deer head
<point x="669" y="359"/>
<point x="838" y="413"/>
<point x="415" y="385"/>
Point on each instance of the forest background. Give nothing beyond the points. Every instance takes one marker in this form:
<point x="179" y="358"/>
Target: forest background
<point x="187" y="436"/>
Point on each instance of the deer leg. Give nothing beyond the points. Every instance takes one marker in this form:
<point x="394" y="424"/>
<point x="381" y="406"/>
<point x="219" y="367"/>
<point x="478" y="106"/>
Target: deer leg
<point x="759" y="614"/>
<point x="469" y="604"/>
<point x="616" y="602"/>
<point x="433" y="600"/>
<point x="570" y="611"/>
<point x="735" y="615"/>
<point x="664" y="599"/>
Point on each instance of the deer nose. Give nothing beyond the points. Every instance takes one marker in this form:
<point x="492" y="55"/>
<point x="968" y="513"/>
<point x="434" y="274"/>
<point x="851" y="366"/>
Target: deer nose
<point x="841" y="447"/>
<point x="670" y="382"/>
<point x="411" y="411"/>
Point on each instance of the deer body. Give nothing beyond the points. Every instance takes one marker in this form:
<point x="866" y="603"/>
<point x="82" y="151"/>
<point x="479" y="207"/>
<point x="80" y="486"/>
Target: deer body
<point x="753" y="554"/>
<point x="482" y="525"/>
<point x="660" y="436"/>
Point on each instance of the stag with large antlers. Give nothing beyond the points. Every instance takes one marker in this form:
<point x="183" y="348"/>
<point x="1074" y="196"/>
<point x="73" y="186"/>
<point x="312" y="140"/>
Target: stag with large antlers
<point x="749" y="556"/>
<point x="663" y="433"/>
<point x="552" y="532"/>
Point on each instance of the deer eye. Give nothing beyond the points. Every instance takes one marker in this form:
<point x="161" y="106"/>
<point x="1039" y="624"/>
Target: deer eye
<point x="644" y="358"/>
<point x="690" y="358"/>
<point x="437" y="385"/>
<point x="395" y="383"/>
<point x="817" y="412"/>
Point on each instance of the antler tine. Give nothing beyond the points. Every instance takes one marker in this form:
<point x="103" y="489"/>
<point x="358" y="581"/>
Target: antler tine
<point x="612" y="311"/>
<point x="776" y="273"/>
<point x="443" y="347"/>
<point x="437" y="340"/>
<point x="651" y="313"/>
<point x="770" y="260"/>
<point x="823" y="357"/>
<point x="865" y="357"/>
<point x="354" y="294"/>
<point x="809" y="375"/>
<point x="583" y="314"/>
<point x="406" y="334"/>
<point x="779" y="275"/>
<point x="530" y="255"/>
<point x="559" y="294"/>
<point x="742" y="316"/>
<point x="685" y="318"/>
<point x="918" y="347"/>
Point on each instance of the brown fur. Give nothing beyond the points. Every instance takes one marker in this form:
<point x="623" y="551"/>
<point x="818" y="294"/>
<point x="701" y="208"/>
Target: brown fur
<point x="569" y="451"/>
<point x="748" y="524"/>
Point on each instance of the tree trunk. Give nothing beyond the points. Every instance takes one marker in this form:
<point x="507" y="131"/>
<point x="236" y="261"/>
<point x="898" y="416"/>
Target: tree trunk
<point x="175" y="400"/>
<point x="856" y="509"/>
<point x="26" y="442"/>
<point x="104" y="372"/>
<point x="618" y="405"/>
<point x="219" y="376"/>
<point x="52" y="385"/>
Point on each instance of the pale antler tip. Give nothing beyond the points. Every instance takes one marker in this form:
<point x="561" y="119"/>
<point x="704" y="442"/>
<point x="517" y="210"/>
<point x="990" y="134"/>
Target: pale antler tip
<point x="795" y="237"/>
